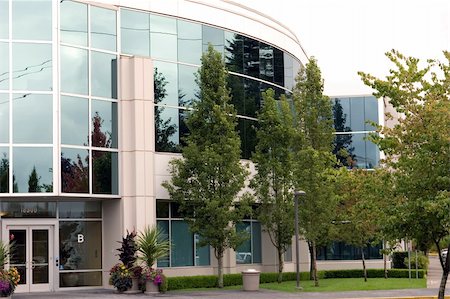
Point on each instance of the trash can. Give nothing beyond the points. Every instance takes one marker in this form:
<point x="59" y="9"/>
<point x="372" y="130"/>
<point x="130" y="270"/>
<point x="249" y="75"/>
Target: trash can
<point x="250" y="280"/>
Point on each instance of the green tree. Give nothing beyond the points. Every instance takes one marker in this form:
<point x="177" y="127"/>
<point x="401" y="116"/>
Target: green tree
<point x="206" y="182"/>
<point x="418" y="148"/>
<point x="33" y="181"/>
<point x="273" y="182"/>
<point x="314" y="158"/>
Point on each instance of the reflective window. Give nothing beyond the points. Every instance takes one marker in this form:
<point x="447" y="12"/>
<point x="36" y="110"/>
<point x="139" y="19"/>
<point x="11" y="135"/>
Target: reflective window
<point x="289" y="74"/>
<point x="32" y="66"/>
<point x="249" y="252"/>
<point x="104" y="172"/>
<point x="4" y="19"/>
<point x="341" y="114"/>
<point x="213" y="36"/>
<point x="28" y="209"/>
<point x="80" y="279"/>
<point x="74" y="170"/>
<point x="372" y="154"/>
<point x="103" y="28"/>
<point x="162" y="209"/>
<point x="357" y="114"/>
<point x="4" y="65"/>
<point x="189" y="42"/>
<point x="80" y="209"/>
<point x="74" y="70"/>
<point x="166" y="129"/>
<point x="32" y="19"/>
<point x="4" y="170"/>
<point x="278" y="67"/>
<point x="187" y="87"/>
<point x="234" y="52"/>
<point x="166" y="83"/>
<point x="163" y="37"/>
<point x="252" y="97"/>
<point x="135" y="32"/>
<point x="342" y="251"/>
<point x="182" y="253"/>
<point x="104" y="124"/>
<point x="104" y="75"/>
<point x="237" y="92"/>
<point x="32" y="169"/>
<point x="359" y="152"/>
<point x="163" y="225"/>
<point x="4" y="118"/>
<point x="32" y="118"/>
<point x="251" y="57"/>
<point x="266" y="68"/>
<point x="74" y="23"/>
<point x="247" y="133"/>
<point x="75" y="255"/>
<point x="370" y="112"/>
<point x="74" y="120"/>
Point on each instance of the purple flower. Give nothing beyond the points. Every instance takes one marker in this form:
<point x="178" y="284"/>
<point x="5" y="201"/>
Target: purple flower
<point x="157" y="280"/>
<point x="4" y="286"/>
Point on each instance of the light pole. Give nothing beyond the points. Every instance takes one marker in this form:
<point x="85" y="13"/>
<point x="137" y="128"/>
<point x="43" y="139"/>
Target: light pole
<point x="297" y="257"/>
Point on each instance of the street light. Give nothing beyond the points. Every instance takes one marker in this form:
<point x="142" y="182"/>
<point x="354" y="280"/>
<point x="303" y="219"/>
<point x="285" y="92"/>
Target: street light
<point x="297" y="257"/>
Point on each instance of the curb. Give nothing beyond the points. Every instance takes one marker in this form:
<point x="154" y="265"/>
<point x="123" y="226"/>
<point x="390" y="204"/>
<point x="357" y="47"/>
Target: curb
<point x="408" y="297"/>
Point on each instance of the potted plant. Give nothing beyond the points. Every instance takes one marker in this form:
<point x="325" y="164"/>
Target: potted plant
<point x="8" y="278"/>
<point x="125" y="276"/>
<point x="152" y="245"/>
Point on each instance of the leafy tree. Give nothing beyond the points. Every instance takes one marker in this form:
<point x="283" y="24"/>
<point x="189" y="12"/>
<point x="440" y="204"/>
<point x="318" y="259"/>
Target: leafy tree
<point x="206" y="182"/>
<point x="418" y="148"/>
<point x="273" y="182"/>
<point x="314" y="158"/>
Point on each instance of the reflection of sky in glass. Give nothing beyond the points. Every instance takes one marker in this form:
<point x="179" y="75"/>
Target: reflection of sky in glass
<point x="170" y="73"/>
<point x="187" y="85"/>
<point x="32" y="118"/>
<point x="74" y="120"/>
<point x="189" y="42"/>
<point x="4" y="19"/>
<point x="163" y="24"/>
<point x="4" y="118"/>
<point x="357" y="113"/>
<point x="74" y="23"/>
<point x="163" y="46"/>
<point x="4" y="65"/>
<point x="4" y="155"/>
<point x="135" y="32"/>
<point x="25" y="158"/>
<point x="103" y="75"/>
<point x="171" y="113"/>
<point x="371" y="112"/>
<point x="103" y="28"/>
<point x="32" y="66"/>
<point x="74" y="70"/>
<point x="108" y="114"/>
<point x="32" y="19"/>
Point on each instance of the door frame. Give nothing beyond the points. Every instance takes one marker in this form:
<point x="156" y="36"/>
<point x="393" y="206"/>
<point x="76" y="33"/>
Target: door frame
<point x="52" y="224"/>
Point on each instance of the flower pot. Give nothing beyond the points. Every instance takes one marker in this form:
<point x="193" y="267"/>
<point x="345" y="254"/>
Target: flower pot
<point x="134" y="287"/>
<point x="151" y="288"/>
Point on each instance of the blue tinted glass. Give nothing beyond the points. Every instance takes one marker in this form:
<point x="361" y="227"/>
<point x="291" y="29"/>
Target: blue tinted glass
<point x="163" y="24"/>
<point x="163" y="38"/>
<point x="187" y="88"/>
<point x="359" y="153"/>
<point x="74" y="23"/>
<point x="256" y="242"/>
<point x="4" y="170"/>
<point x="104" y="172"/>
<point x="135" y="30"/>
<point x="103" y="75"/>
<point x="4" y="66"/>
<point x="372" y="154"/>
<point x="189" y="42"/>
<point x="244" y="251"/>
<point x="163" y="225"/>
<point x="4" y="118"/>
<point x="32" y="169"/>
<point x="213" y="36"/>
<point x="32" y="19"/>
<point x="74" y="70"/>
<point x="341" y="114"/>
<point x="32" y="66"/>
<point x="371" y="112"/>
<point x="32" y="118"/>
<point x="74" y="120"/>
<point x="201" y="253"/>
<point x="182" y="253"/>
<point x="103" y="28"/>
<point x="74" y="170"/>
<point x="357" y="114"/>
<point x="4" y="19"/>
<point x="166" y="129"/>
<point x="166" y="88"/>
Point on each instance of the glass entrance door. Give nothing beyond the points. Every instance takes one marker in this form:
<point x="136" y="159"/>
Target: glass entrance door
<point x="32" y="256"/>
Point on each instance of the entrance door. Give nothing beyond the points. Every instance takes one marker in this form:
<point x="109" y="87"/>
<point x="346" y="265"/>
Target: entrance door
<point x="33" y="256"/>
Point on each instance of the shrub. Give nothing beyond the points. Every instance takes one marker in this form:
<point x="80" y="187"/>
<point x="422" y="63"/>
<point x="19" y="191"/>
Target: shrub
<point x="422" y="261"/>
<point x="398" y="259"/>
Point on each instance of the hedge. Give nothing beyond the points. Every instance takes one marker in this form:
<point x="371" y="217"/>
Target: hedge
<point x="210" y="281"/>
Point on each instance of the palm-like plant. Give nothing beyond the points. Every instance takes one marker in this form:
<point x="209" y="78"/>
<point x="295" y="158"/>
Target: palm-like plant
<point x="152" y="245"/>
<point x="4" y="254"/>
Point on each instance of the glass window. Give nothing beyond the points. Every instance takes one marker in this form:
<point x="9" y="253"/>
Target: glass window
<point x="17" y="209"/>
<point x="187" y="87"/>
<point x="237" y="92"/>
<point x="372" y="154"/>
<point x="163" y="37"/>
<point x="162" y="209"/>
<point x="202" y="254"/>
<point x="32" y="19"/>
<point x="251" y="57"/>
<point x="357" y="114"/>
<point x="182" y="253"/>
<point x="244" y="251"/>
<point x="359" y="152"/>
<point x="74" y="23"/>
<point x="74" y="70"/>
<point x="247" y="134"/>
<point x="74" y="170"/>
<point x="234" y="52"/>
<point x="256" y="242"/>
<point x="213" y="36"/>
<point x="278" y="67"/>
<point x="288" y="254"/>
<point x="104" y="124"/>
<point x="74" y="120"/>
<point x="104" y="172"/>
<point x="135" y="30"/>
<point x="103" y="28"/>
<point x="163" y="225"/>
<point x="32" y="66"/>
<point x="4" y="65"/>
<point x="166" y="129"/>
<point x="341" y="114"/>
<point x="266" y="69"/>
<point x="4" y="19"/>
<point x="32" y="118"/>
<point x="189" y="42"/>
<point x="104" y="75"/>
<point x="341" y="251"/>
<point x="4" y="118"/>
<point x="370" y="112"/>
<point x="166" y="83"/>
<point x="75" y="255"/>
<point x="80" y="209"/>
<point x="32" y="169"/>
<point x="80" y="279"/>
<point x="289" y="75"/>
<point x="4" y="170"/>
<point x="252" y="97"/>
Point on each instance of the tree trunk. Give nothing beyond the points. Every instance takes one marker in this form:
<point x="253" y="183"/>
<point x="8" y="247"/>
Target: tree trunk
<point x="364" y="264"/>
<point x="311" y="258"/>
<point x="220" y="269"/>
<point x="280" y="266"/>
<point x="445" y="271"/>
<point x="314" y="263"/>
<point x="385" y="260"/>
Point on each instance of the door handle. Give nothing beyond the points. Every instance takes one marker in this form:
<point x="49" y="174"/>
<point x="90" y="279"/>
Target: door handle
<point x="32" y="264"/>
<point x="57" y="262"/>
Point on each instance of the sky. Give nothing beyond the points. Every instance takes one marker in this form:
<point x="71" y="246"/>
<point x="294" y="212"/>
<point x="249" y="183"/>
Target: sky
<point x="347" y="36"/>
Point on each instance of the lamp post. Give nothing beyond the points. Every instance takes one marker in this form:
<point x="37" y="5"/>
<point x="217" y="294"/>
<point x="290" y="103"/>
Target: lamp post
<point x="297" y="257"/>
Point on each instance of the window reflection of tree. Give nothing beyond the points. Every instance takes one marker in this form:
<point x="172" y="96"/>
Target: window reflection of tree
<point x="163" y="127"/>
<point x="343" y="148"/>
<point x="4" y="174"/>
<point x="34" y="183"/>
<point x="101" y="169"/>
<point x="75" y="174"/>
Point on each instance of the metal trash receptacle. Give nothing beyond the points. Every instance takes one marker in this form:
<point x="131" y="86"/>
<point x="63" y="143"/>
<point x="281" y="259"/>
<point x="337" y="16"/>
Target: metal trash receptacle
<point x="250" y="280"/>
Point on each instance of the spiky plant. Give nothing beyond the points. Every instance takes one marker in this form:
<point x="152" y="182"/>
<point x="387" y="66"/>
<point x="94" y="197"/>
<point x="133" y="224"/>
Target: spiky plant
<point x="128" y="250"/>
<point x="152" y="245"/>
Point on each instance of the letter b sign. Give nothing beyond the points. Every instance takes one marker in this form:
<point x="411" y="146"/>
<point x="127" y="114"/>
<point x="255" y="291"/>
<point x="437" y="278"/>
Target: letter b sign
<point x="80" y="238"/>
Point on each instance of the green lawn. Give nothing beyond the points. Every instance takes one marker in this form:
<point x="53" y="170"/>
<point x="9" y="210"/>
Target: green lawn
<point x="348" y="284"/>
